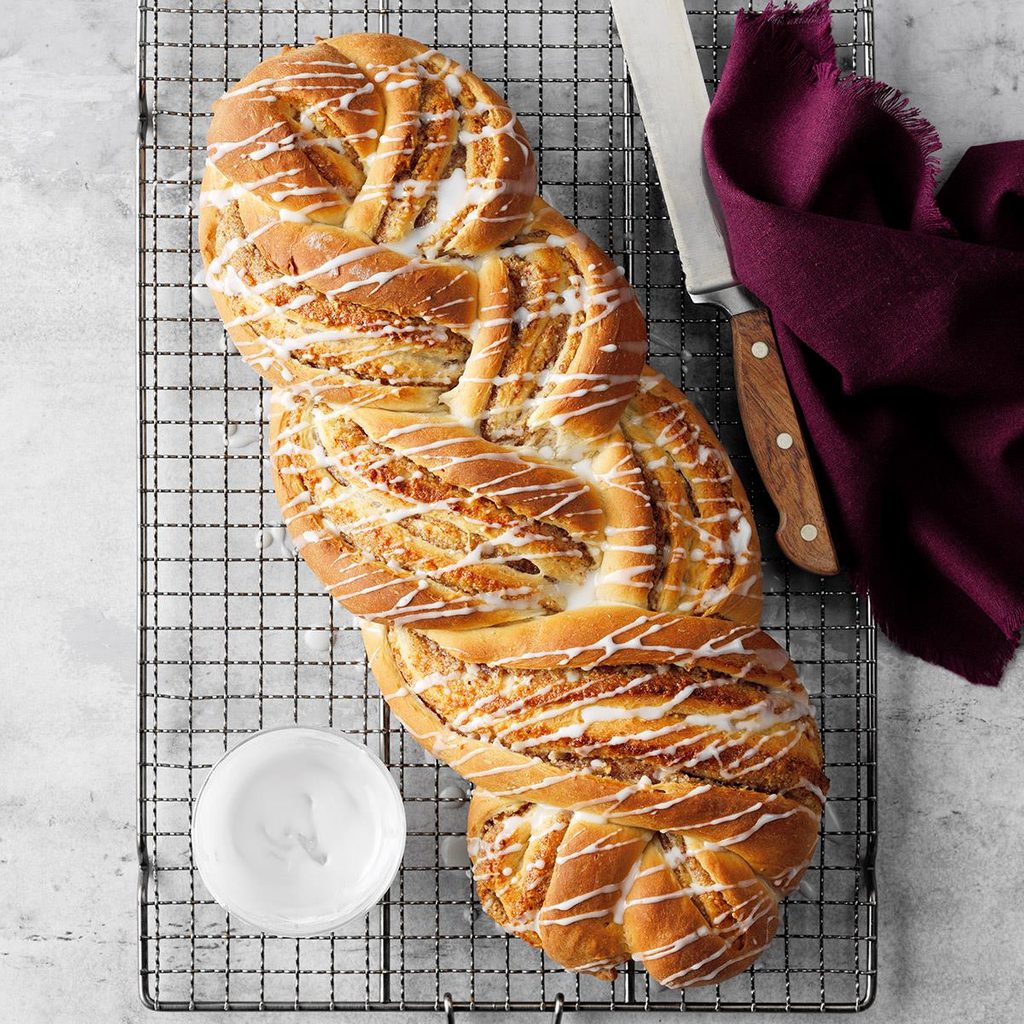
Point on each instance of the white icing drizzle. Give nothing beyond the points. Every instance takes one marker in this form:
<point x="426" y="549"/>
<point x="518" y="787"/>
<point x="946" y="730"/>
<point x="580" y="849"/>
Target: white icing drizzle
<point x="384" y="503"/>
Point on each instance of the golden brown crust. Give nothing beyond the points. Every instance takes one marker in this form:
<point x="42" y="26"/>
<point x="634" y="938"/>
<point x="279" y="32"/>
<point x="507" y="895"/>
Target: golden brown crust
<point x="617" y="634"/>
<point x="294" y="336"/>
<point x="425" y="505"/>
<point x="362" y="171"/>
<point x="561" y="339"/>
<point x="415" y="80"/>
<point x="713" y="559"/>
<point x="459" y="456"/>
<point x="690" y="918"/>
<point x="791" y="762"/>
<point x="630" y="566"/>
<point x="419" y="521"/>
<point x="359" y="175"/>
<point x="257" y="136"/>
<point x="365" y="273"/>
<point x="470" y="455"/>
<point x="601" y="828"/>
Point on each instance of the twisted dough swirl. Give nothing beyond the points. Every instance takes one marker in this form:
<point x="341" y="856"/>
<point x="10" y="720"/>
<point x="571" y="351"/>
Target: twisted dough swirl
<point x="553" y="560"/>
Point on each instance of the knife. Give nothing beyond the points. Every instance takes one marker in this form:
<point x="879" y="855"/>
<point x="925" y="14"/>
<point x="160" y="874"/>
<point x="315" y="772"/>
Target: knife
<point x="666" y="76"/>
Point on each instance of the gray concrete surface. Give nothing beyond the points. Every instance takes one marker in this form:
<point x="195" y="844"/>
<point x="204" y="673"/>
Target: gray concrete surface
<point x="952" y="766"/>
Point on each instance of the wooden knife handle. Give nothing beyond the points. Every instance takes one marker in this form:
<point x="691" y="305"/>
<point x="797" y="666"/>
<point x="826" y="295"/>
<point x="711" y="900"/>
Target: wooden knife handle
<point x="777" y="443"/>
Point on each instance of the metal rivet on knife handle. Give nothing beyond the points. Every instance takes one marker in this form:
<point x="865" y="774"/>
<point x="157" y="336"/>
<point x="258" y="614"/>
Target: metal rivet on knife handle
<point x="780" y="454"/>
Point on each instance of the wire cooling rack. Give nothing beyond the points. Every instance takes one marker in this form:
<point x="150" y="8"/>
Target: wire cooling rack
<point x="236" y="635"/>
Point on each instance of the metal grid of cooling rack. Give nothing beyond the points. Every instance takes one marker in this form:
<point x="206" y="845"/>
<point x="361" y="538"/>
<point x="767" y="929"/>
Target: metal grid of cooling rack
<point x="236" y="635"/>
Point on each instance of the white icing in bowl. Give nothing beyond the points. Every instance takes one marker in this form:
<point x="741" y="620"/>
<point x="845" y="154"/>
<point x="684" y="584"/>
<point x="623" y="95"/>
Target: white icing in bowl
<point x="298" y="831"/>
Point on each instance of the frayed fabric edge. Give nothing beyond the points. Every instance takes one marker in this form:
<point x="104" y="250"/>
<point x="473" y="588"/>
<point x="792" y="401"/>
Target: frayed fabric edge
<point x="990" y="673"/>
<point x="887" y="99"/>
<point x="816" y="16"/>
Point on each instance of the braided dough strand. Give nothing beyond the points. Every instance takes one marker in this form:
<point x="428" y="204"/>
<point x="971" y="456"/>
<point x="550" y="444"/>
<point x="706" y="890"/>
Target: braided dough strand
<point x="553" y="559"/>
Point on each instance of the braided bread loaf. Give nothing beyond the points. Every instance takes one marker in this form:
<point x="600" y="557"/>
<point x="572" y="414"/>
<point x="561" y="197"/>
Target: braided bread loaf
<point x="653" y="783"/>
<point x="552" y="558"/>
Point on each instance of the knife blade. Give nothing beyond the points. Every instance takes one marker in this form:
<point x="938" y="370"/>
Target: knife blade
<point x="667" y="80"/>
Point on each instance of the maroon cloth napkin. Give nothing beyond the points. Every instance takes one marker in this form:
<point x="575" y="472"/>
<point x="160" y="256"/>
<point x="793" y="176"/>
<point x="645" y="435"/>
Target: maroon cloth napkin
<point x="900" y="318"/>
